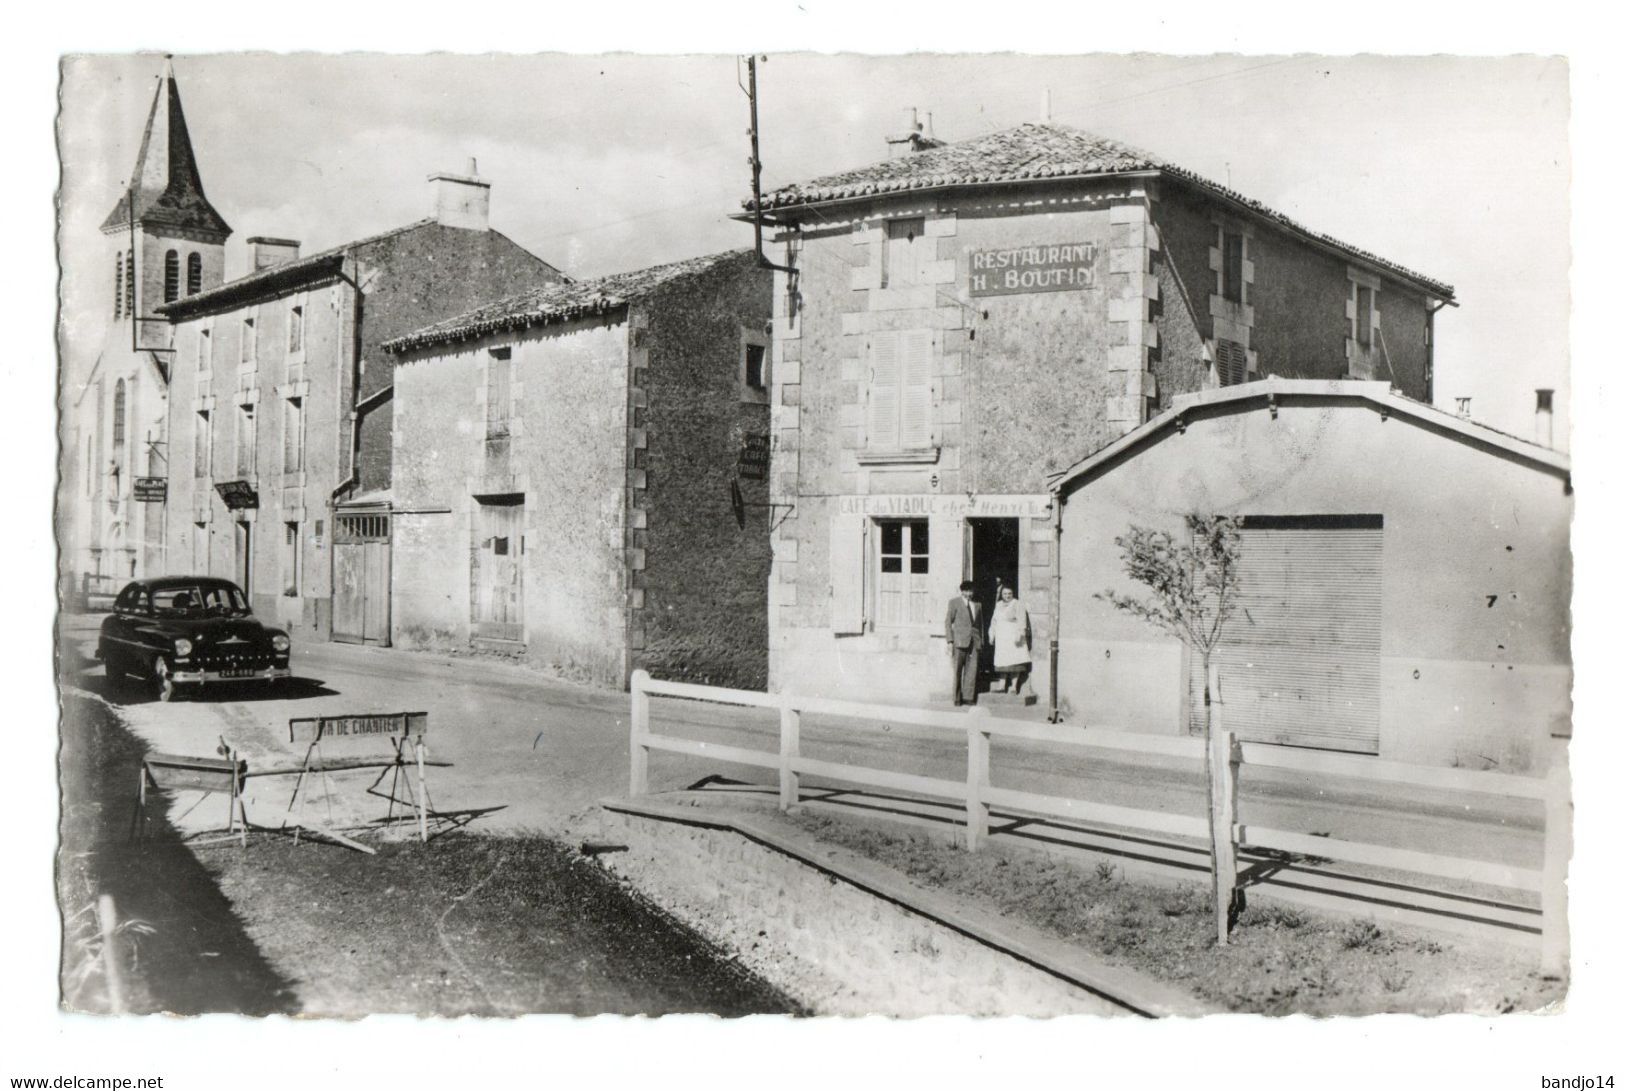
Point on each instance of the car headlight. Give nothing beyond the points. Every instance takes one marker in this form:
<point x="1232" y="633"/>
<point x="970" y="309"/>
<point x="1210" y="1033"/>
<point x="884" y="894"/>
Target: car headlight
<point x="279" y="642"/>
<point x="183" y="647"/>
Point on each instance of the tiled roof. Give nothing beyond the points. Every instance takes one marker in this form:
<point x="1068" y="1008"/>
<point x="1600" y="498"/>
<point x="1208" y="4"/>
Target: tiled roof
<point x="275" y="278"/>
<point x="1029" y="153"/>
<point x="560" y="302"/>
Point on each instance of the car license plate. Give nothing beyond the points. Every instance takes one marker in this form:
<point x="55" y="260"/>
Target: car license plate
<point x="238" y="672"/>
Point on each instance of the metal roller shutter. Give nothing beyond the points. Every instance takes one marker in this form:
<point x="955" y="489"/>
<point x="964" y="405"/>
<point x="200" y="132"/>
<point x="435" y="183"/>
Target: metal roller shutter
<point x="1300" y="662"/>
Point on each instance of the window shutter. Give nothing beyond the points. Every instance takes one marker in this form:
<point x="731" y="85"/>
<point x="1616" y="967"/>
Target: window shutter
<point x="848" y="555"/>
<point x="947" y="566"/>
<point x="918" y="400"/>
<point x="885" y="374"/>
<point x="1232" y="361"/>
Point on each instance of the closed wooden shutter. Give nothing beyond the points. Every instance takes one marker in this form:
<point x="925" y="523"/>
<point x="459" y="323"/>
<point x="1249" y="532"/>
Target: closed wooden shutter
<point x="1300" y="662"/>
<point x="848" y="554"/>
<point x="1232" y="361"/>
<point x="885" y="373"/>
<point x="947" y="567"/>
<point x="918" y="389"/>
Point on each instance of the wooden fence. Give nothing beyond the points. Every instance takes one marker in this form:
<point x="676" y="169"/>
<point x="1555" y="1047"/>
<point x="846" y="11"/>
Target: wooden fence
<point x="1225" y="753"/>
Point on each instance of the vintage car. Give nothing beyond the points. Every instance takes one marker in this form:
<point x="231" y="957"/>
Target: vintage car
<point x="188" y="630"/>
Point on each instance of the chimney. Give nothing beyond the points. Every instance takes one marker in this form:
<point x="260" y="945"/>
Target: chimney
<point x="461" y="200"/>
<point x="265" y="252"/>
<point x="915" y="137"/>
<point x="1543" y="417"/>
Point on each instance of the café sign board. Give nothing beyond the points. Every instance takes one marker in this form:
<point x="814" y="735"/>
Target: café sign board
<point x="949" y="505"/>
<point x="1047" y="267"/>
<point x="237" y="495"/>
<point x="754" y="454"/>
<point x="151" y="489"/>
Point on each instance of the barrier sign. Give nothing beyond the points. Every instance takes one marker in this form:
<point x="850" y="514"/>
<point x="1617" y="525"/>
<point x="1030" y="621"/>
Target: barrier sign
<point x="309" y="729"/>
<point x="1051" y="267"/>
<point x="151" y="489"/>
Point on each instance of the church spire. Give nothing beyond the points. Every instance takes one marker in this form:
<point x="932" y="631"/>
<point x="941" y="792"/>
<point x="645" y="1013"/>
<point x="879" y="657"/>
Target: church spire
<point x="165" y="186"/>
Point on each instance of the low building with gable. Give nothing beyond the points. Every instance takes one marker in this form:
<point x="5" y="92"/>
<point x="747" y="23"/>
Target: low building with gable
<point x="581" y="476"/>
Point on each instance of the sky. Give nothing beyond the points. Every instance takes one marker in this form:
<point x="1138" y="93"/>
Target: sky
<point x="1455" y="167"/>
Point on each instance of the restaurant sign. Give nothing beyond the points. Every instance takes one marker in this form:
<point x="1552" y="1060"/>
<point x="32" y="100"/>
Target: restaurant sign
<point x="149" y="490"/>
<point x="954" y="506"/>
<point x="754" y="456"/>
<point x="1050" y="267"/>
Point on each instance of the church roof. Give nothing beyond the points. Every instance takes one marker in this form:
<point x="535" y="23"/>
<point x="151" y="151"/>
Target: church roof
<point x="165" y="186"/>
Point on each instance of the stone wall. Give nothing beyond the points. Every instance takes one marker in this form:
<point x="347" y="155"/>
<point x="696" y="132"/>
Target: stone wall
<point x="698" y="569"/>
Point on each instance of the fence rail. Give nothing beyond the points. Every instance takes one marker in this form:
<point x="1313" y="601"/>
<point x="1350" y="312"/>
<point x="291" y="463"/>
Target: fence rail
<point x="1223" y="751"/>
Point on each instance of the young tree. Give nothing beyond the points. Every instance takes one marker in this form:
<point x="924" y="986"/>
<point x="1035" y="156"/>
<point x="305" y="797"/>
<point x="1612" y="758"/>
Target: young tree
<point x="1192" y="596"/>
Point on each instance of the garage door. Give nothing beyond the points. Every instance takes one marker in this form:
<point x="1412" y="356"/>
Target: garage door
<point x="1300" y="662"/>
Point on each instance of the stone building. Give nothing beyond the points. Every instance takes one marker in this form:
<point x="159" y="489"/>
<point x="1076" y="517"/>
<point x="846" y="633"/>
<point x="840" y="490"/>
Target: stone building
<point x="164" y="241"/>
<point x="280" y="406"/>
<point x="580" y="476"/>
<point x="965" y="319"/>
<point x="1422" y="617"/>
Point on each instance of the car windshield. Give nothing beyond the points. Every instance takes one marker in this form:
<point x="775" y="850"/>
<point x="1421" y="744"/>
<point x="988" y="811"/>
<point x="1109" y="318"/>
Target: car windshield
<point x="198" y="600"/>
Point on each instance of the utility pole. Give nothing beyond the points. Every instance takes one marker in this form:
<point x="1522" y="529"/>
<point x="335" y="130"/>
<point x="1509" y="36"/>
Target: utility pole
<point x="756" y="168"/>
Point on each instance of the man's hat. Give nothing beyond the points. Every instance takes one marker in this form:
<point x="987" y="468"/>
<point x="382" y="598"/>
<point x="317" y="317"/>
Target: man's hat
<point x="966" y="585"/>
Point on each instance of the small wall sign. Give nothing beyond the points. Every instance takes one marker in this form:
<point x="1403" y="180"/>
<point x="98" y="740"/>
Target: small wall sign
<point x="754" y="455"/>
<point x="151" y="490"/>
<point x="238" y="495"/>
<point x="1050" y="267"/>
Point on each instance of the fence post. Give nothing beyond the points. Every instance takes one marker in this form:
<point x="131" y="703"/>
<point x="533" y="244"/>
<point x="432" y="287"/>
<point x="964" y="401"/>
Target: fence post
<point x="1554" y="893"/>
<point x="789" y="751"/>
<point x="977" y="747"/>
<point x="1223" y="767"/>
<point x="640" y="730"/>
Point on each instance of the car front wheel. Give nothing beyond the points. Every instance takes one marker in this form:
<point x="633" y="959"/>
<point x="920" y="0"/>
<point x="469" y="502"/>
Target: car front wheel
<point x="163" y="682"/>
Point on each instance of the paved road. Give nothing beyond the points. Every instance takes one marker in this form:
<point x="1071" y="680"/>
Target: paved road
<point x="538" y="753"/>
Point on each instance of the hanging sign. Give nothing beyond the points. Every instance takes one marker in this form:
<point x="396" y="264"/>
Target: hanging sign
<point x="238" y="495"/>
<point x="1050" y="267"/>
<point x="754" y="455"/>
<point x="151" y="489"/>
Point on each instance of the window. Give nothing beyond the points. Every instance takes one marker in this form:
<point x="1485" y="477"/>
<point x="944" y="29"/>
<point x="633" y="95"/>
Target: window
<point x="1231" y="362"/>
<point x="293" y="435"/>
<point x="118" y="423"/>
<point x="290" y="559"/>
<point x="296" y="329"/>
<point x="245" y="440"/>
<point x="756" y="367"/>
<point x="172" y="276"/>
<point x="1233" y="249"/>
<point x="118" y="285"/>
<point x="203" y="443"/>
<point x="1364" y="304"/>
<point x="903" y="573"/>
<point x="498" y="393"/>
<point x="194" y="273"/>
<point x="903" y="253"/>
<point x="901" y="402"/>
<point x="205" y="350"/>
<point x="248" y="341"/>
<point x="129" y="283"/>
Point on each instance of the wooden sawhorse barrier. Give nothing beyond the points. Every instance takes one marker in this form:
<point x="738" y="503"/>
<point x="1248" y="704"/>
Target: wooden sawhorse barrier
<point x="209" y="776"/>
<point x="339" y="743"/>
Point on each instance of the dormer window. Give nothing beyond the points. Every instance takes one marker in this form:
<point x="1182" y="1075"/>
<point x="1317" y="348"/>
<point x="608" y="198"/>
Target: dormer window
<point x="172" y="276"/>
<point x="194" y="273"/>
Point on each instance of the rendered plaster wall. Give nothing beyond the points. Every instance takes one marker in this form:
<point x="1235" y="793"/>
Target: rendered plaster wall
<point x="1475" y="667"/>
<point x="699" y="570"/>
<point x="566" y="461"/>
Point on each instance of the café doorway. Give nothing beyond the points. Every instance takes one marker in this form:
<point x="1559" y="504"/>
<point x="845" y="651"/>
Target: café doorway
<point x="992" y="560"/>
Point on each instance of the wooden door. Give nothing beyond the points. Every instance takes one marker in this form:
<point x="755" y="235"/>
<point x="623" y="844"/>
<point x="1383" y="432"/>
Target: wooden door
<point x="349" y="576"/>
<point x="498" y="571"/>
<point x="361" y="578"/>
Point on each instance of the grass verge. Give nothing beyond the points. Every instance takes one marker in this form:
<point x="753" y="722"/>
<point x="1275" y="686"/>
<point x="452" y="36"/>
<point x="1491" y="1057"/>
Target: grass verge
<point x="1280" y="960"/>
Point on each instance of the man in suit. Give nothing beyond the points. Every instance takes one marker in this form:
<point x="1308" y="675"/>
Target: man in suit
<point x="964" y="631"/>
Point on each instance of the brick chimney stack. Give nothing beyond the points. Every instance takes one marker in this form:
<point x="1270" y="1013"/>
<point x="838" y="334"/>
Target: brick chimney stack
<point x="264" y="252"/>
<point x="461" y="200"/>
